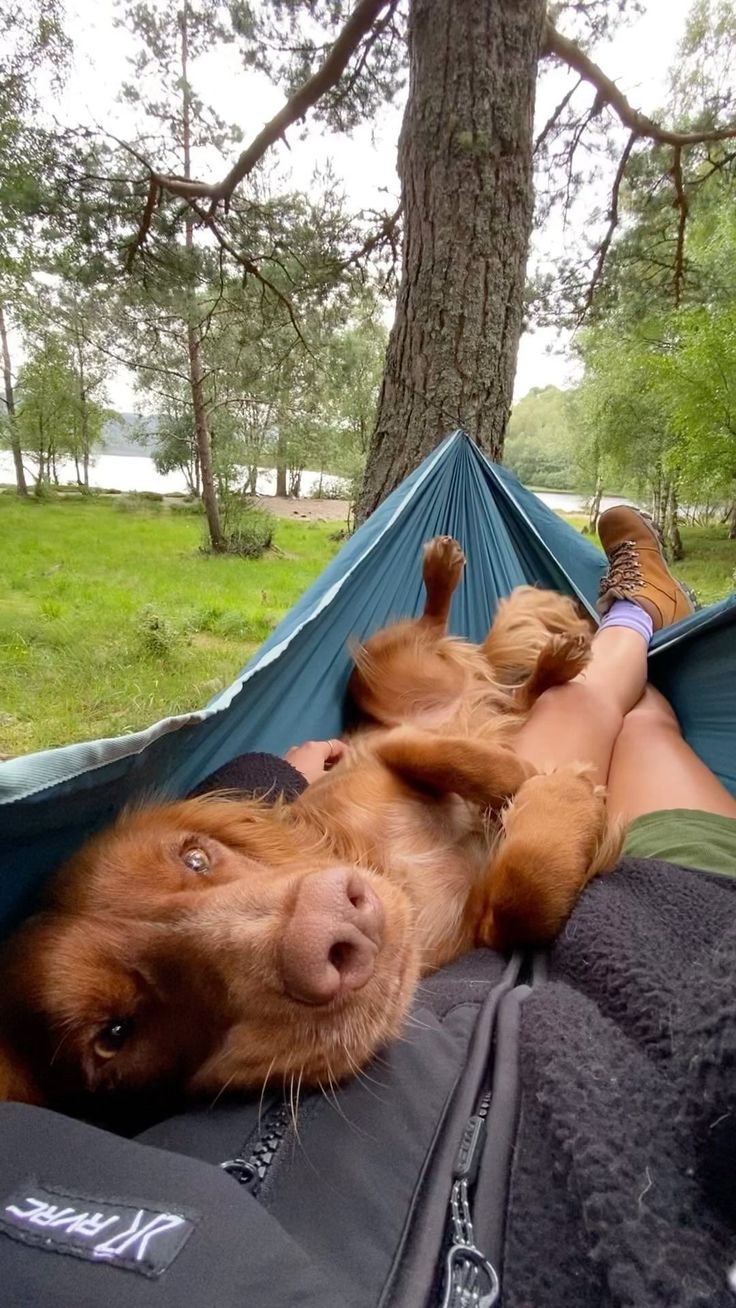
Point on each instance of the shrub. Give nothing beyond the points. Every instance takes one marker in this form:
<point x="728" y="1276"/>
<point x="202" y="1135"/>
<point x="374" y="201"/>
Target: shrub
<point x="247" y="527"/>
<point x="206" y="618"/>
<point x="192" y="508"/>
<point x="134" y="501"/>
<point x="157" y="636"/>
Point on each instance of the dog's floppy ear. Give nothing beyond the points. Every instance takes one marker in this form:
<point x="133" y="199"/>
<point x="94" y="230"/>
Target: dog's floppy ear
<point x="17" y="1082"/>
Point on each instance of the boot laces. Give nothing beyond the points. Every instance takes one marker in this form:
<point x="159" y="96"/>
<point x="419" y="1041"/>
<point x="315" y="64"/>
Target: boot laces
<point x="624" y="569"/>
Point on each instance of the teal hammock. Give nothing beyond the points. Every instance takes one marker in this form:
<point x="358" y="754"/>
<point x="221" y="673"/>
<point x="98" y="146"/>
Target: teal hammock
<point x="293" y="689"/>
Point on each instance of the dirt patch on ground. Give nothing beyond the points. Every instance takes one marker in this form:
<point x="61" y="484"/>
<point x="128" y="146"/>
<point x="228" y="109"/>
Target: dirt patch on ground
<point x="309" y="510"/>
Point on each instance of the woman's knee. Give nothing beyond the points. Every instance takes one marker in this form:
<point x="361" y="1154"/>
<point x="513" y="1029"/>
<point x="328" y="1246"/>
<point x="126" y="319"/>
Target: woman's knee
<point x="653" y="713"/>
<point x="579" y="711"/>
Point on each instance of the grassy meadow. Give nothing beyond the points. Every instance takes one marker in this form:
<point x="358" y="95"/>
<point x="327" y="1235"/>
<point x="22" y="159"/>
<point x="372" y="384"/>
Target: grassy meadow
<point x="111" y="617"/>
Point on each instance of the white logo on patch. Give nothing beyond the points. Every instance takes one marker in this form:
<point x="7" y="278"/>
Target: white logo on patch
<point x="132" y="1242"/>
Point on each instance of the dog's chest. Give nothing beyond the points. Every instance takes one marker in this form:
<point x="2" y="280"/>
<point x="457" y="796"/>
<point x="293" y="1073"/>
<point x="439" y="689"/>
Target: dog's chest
<point x="437" y="853"/>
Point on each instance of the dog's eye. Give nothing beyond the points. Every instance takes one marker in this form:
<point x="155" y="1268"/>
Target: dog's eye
<point x="112" y="1037"/>
<point x="196" y="860"/>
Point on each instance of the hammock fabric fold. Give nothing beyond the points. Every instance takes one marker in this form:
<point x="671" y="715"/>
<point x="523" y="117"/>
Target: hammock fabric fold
<point x="293" y="689"/>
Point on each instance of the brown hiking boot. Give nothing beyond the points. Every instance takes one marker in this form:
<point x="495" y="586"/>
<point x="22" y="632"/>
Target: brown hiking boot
<point x="637" y="569"/>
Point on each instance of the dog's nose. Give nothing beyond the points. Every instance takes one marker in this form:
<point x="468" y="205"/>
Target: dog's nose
<point x="333" y="937"/>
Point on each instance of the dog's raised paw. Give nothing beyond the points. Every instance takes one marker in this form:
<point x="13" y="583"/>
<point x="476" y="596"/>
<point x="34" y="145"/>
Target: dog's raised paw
<point x="566" y="656"/>
<point x="444" y="561"/>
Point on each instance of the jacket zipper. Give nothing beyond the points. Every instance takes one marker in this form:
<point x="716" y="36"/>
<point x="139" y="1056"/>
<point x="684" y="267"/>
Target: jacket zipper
<point x="472" y="1271"/>
<point x="470" y="1278"/>
<point x="252" y="1169"/>
<point x="419" y="1268"/>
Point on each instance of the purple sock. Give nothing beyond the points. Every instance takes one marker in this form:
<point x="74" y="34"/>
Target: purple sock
<point x="624" y="613"/>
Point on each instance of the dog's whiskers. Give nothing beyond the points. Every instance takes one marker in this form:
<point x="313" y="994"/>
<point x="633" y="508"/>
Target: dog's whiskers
<point x="222" y="1090"/>
<point x="263" y="1091"/>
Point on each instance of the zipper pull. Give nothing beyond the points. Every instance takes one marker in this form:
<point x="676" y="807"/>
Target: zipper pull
<point x="468" y="1154"/>
<point x="241" y="1170"/>
<point x="471" y="1281"/>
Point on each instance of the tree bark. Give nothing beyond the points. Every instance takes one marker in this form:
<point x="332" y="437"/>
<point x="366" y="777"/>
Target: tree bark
<point x="83" y="407"/>
<point x="595" y="508"/>
<point x="465" y="163"/>
<point x="194" y="343"/>
<point x="204" y="449"/>
<point x="660" y="495"/>
<point x="673" y="539"/>
<point x="20" y="476"/>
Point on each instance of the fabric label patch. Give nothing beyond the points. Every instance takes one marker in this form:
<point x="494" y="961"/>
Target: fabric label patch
<point x="121" y="1233"/>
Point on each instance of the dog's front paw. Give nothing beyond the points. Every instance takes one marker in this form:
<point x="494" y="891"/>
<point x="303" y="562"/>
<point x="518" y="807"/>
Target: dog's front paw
<point x="443" y="562"/>
<point x="563" y="657"/>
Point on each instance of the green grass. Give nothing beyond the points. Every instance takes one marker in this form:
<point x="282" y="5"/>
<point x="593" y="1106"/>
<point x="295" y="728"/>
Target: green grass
<point x="709" y="563"/>
<point x="111" y="617"/>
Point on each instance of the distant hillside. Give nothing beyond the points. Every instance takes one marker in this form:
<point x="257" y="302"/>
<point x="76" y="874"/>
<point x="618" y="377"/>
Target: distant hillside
<point x="118" y="438"/>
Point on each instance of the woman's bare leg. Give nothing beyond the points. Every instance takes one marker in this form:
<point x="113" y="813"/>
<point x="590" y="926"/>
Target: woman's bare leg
<point x="653" y="768"/>
<point x="580" y="721"/>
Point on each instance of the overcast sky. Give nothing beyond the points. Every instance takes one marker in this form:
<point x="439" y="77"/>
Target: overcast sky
<point x="638" y="59"/>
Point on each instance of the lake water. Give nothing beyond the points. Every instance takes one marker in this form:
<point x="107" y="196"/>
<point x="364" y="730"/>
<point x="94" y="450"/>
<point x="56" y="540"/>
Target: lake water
<point x="135" y="472"/>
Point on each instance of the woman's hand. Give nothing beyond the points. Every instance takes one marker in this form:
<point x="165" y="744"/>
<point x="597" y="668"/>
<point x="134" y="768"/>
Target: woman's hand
<point x="315" y="757"/>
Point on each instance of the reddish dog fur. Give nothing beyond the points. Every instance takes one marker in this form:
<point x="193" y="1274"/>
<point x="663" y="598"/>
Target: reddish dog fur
<point x="165" y="954"/>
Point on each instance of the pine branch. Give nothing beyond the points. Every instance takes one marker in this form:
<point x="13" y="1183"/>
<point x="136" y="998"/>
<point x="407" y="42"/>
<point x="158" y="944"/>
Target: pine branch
<point x="385" y="233"/>
<point x="554" y="43"/>
<point x="145" y="224"/>
<point x="327" y="75"/>
<point x="641" y="127"/>
<point x="555" y="116"/>
<point x="682" y="211"/>
<point x="248" y="266"/>
<point x="613" y="215"/>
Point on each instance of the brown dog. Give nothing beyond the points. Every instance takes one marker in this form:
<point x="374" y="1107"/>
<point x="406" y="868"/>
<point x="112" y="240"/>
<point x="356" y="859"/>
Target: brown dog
<point x="210" y="943"/>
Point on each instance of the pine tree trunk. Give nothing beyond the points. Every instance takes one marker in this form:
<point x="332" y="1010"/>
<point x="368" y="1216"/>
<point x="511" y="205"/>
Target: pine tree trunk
<point x="83" y="409"/>
<point x="465" y="163"/>
<point x="20" y="476"/>
<point x="204" y="449"/>
<point x="194" y="343"/>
